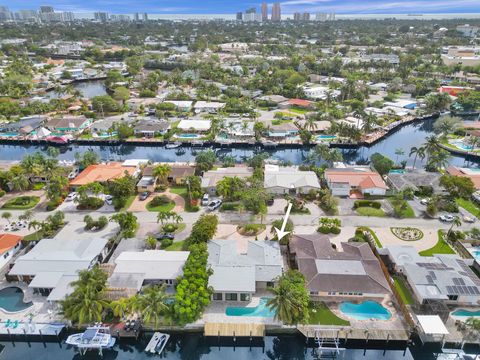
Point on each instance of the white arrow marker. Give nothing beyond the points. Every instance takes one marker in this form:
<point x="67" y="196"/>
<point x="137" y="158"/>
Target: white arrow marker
<point x="281" y="233"/>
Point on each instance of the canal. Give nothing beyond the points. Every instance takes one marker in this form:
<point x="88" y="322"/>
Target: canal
<point x="87" y="89"/>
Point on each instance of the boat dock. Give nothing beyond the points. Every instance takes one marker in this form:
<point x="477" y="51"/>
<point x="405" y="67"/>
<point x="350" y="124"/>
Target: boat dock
<point x="30" y="328"/>
<point x="347" y="333"/>
<point x="234" y="329"/>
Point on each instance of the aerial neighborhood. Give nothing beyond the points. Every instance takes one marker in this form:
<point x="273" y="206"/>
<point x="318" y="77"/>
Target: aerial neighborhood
<point x="238" y="178"/>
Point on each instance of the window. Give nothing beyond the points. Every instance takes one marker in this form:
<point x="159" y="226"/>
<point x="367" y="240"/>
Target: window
<point x="231" y="296"/>
<point x="244" y="297"/>
<point x="218" y="296"/>
<point x="5" y="255"/>
<point x="452" y="297"/>
<point x="270" y="284"/>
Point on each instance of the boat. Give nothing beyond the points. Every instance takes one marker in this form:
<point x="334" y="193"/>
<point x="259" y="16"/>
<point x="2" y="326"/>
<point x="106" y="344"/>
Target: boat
<point x="59" y="140"/>
<point x="93" y="338"/>
<point x="157" y="343"/>
<point x="173" y="145"/>
<point x="268" y="143"/>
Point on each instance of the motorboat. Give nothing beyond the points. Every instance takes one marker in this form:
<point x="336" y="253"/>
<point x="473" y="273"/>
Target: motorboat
<point x="173" y="145"/>
<point x="157" y="343"/>
<point x="94" y="337"/>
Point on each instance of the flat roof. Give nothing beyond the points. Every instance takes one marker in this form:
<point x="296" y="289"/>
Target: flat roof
<point x="432" y="325"/>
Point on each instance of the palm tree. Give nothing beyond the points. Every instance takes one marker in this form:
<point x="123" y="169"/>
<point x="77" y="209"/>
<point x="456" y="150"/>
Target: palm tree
<point x="431" y="145"/>
<point x="35" y="225"/>
<point x="456" y="222"/>
<point x="399" y="152"/>
<point x="7" y="216"/>
<point x="20" y="183"/>
<point x="27" y="216"/>
<point x="121" y="307"/>
<point x="162" y="171"/>
<point x="419" y="152"/>
<point x="152" y="304"/>
<point x="439" y="159"/>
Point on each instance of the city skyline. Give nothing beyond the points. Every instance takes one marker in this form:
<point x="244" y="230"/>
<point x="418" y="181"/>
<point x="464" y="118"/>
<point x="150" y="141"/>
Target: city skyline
<point x="220" y="7"/>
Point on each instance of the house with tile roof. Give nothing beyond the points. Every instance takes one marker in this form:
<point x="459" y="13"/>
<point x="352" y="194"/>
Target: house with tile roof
<point x="103" y="173"/>
<point x="289" y="180"/>
<point x="353" y="272"/>
<point x="348" y="181"/>
<point x="238" y="275"/>
<point x="472" y="174"/>
<point x="211" y="178"/>
<point x="9" y="245"/>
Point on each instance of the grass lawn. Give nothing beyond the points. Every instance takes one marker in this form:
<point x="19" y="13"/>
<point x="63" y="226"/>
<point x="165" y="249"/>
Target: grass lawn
<point x="369" y="211"/>
<point x="128" y="203"/>
<point x="375" y="237"/>
<point x="403" y="290"/>
<point x="176" y="246"/>
<point x="164" y="207"/>
<point x="183" y="192"/>
<point x="38" y="186"/>
<point x="470" y="206"/>
<point x="297" y="110"/>
<point x="320" y="314"/>
<point x="407" y="212"/>
<point x="37" y="235"/>
<point x="21" y="203"/>
<point x="441" y="247"/>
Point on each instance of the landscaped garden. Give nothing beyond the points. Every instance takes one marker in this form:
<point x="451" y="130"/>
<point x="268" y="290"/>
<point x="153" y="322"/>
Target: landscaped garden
<point x="320" y="314"/>
<point x="251" y="229"/>
<point x="407" y="233"/>
<point x="362" y="233"/>
<point x="21" y="203"/>
<point x="161" y="203"/>
<point x="441" y="247"/>
<point x="330" y="226"/>
<point x="401" y="208"/>
<point x="369" y="208"/>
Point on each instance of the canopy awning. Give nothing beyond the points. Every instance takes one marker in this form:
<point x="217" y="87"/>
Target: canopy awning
<point x="432" y="325"/>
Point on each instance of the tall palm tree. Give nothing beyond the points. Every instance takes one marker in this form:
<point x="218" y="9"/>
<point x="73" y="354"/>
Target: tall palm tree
<point x="439" y="159"/>
<point x="121" y="307"/>
<point x="152" y="304"/>
<point x="431" y="145"/>
<point x="399" y="152"/>
<point x="419" y="152"/>
<point x="162" y="171"/>
<point x="456" y="222"/>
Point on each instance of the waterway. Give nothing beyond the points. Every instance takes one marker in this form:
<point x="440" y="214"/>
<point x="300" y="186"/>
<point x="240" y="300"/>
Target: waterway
<point x="196" y="347"/>
<point x="404" y="138"/>
<point x="88" y="89"/>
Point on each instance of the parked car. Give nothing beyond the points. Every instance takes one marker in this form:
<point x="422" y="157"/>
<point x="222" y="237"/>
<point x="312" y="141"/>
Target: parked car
<point x="424" y="201"/>
<point x="162" y="236"/>
<point x="71" y="196"/>
<point x="73" y="174"/>
<point x="214" y="205"/>
<point x="468" y="219"/>
<point x="144" y="195"/>
<point x="205" y="200"/>
<point x="108" y="199"/>
<point x="446" y="218"/>
<point x="270" y="201"/>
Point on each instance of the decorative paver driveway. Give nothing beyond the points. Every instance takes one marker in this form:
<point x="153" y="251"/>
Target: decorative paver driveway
<point x="430" y="238"/>
<point x="140" y="205"/>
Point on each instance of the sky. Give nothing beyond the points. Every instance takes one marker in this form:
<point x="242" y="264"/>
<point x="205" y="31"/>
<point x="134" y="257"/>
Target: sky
<point x="229" y="6"/>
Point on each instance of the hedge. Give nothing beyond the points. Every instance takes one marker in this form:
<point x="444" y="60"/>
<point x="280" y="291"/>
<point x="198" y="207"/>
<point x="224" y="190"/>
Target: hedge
<point x="367" y="203"/>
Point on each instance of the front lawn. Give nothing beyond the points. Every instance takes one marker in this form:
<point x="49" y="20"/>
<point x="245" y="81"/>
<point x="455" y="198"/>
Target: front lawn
<point x="320" y="314"/>
<point x="183" y="192"/>
<point x="402" y="210"/>
<point x="21" y="203"/>
<point x="176" y="246"/>
<point x="469" y="205"/>
<point x="163" y="208"/>
<point x="441" y="247"/>
<point x="37" y="235"/>
<point x="402" y="289"/>
<point x="128" y="203"/>
<point x="369" y="211"/>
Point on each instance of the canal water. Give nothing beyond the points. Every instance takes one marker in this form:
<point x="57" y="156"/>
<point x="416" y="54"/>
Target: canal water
<point x="88" y="89"/>
<point x="195" y="346"/>
<point x="404" y="138"/>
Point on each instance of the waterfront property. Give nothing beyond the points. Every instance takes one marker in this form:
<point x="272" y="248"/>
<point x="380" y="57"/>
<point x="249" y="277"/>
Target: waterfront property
<point x="414" y="179"/>
<point x="444" y="278"/>
<point x="134" y="269"/>
<point x="471" y="173"/>
<point x="12" y="300"/>
<point x="9" y="245"/>
<point x="151" y="127"/>
<point x="365" y="310"/>
<point x="289" y="180"/>
<point x="261" y="310"/>
<point x="212" y="177"/>
<point x="354" y="272"/>
<point x="238" y="276"/>
<point x="68" y="124"/>
<point x="24" y="125"/>
<point x="357" y="181"/>
<point x="103" y="173"/>
<point x="194" y="126"/>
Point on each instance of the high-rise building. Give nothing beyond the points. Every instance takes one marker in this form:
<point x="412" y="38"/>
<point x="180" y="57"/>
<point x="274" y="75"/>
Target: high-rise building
<point x="324" y="17"/>
<point x="67" y="16"/>
<point x="297" y="16"/>
<point x="145" y="17"/>
<point x="136" y="17"/>
<point x="46" y="9"/>
<point x="28" y="15"/>
<point x="276" y="12"/>
<point x="5" y="14"/>
<point x="264" y="11"/>
<point x="252" y="16"/>
<point x="101" y="16"/>
<point x="239" y="16"/>
<point x="306" y="16"/>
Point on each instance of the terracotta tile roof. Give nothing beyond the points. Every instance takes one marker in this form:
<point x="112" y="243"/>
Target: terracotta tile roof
<point x="102" y="173"/>
<point x="360" y="179"/>
<point x="8" y="241"/>
<point x="453" y="170"/>
<point x="300" y="102"/>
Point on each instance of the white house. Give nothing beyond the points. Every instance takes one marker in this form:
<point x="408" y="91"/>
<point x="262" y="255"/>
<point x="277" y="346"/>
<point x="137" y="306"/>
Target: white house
<point x="359" y="180"/>
<point x="9" y="245"/>
<point x="238" y="275"/>
<point x="319" y="92"/>
<point x="208" y="106"/>
<point x="194" y="125"/>
<point x="289" y="180"/>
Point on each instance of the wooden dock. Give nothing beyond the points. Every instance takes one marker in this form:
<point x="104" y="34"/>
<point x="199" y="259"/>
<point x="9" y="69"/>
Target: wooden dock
<point x="312" y="332"/>
<point x="234" y="329"/>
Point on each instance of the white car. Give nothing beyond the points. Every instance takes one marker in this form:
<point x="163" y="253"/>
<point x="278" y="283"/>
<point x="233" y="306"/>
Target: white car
<point x="468" y="219"/>
<point x="73" y="174"/>
<point x="424" y="201"/>
<point x="446" y="218"/>
<point x="71" y="196"/>
<point x="205" y="200"/>
<point x="108" y="199"/>
<point x="215" y="204"/>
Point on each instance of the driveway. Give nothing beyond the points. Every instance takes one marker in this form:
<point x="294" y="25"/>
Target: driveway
<point x="430" y="238"/>
<point x="140" y="205"/>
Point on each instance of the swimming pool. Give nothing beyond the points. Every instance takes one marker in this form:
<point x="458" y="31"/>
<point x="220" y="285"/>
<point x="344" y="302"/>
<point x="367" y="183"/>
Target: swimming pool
<point x="397" y="171"/>
<point x="260" y="310"/>
<point x="188" y="136"/>
<point x="365" y="311"/>
<point x="8" y="134"/>
<point x="466" y="313"/>
<point x="460" y="144"/>
<point x="326" y="137"/>
<point x="11" y="299"/>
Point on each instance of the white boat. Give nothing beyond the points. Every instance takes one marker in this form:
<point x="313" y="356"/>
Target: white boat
<point x="157" y="343"/>
<point x="95" y="337"/>
<point x="173" y="145"/>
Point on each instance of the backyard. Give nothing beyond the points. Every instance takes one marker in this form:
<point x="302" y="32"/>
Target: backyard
<point x="320" y="314"/>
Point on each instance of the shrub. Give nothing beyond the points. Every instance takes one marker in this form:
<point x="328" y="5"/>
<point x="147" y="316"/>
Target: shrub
<point x="229" y="207"/>
<point x="166" y="243"/>
<point x="160" y="200"/>
<point x="53" y="204"/>
<point x="335" y="230"/>
<point x="251" y="229"/>
<point x="2" y="193"/>
<point x="169" y="228"/>
<point x="367" y="203"/>
<point x="161" y="188"/>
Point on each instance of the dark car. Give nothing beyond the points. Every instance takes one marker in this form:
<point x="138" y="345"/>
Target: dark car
<point x="144" y="195"/>
<point x="270" y="202"/>
<point x="162" y="236"/>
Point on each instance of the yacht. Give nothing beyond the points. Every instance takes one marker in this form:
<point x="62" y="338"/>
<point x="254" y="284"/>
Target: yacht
<point x="94" y="337"/>
<point x="173" y="145"/>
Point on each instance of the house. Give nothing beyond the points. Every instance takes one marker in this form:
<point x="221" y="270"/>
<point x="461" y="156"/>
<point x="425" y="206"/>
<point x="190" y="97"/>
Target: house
<point x="135" y="269"/>
<point x="179" y="172"/>
<point x="51" y="266"/>
<point x="301" y="103"/>
<point x="24" y="125"/>
<point x="200" y="126"/>
<point x="208" y="106"/>
<point x="444" y="278"/>
<point x="414" y="179"/>
<point x="150" y="128"/>
<point x="472" y="174"/>
<point x="181" y="105"/>
<point x="353" y="272"/>
<point x="9" y="245"/>
<point x="212" y="177"/>
<point x="68" y="124"/>
<point x="453" y="90"/>
<point x="289" y="180"/>
<point x="358" y="180"/>
<point x="283" y="130"/>
<point x="319" y="92"/>
<point x="274" y="99"/>
<point x="103" y="173"/>
<point x="238" y="275"/>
